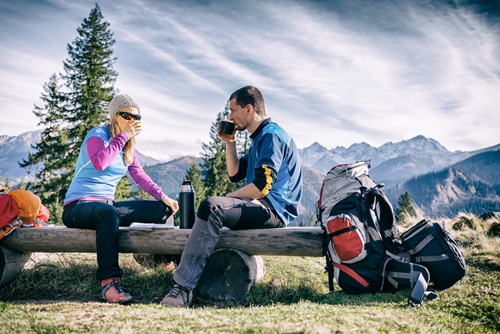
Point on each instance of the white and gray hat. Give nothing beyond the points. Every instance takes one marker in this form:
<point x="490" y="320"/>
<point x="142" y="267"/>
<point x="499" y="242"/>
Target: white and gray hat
<point x="121" y="101"/>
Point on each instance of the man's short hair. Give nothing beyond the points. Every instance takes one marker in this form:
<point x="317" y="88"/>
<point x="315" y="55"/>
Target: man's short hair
<point x="250" y="95"/>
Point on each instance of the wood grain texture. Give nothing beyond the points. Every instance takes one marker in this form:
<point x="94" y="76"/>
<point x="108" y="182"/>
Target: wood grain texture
<point x="289" y="241"/>
<point x="11" y="263"/>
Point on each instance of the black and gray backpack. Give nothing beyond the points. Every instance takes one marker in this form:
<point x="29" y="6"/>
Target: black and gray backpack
<point x="361" y="236"/>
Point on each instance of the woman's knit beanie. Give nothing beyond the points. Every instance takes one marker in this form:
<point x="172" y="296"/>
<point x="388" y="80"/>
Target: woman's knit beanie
<point x="121" y="101"/>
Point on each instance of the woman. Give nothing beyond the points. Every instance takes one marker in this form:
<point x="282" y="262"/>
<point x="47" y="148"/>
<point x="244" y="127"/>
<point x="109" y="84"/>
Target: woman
<point x="106" y="154"/>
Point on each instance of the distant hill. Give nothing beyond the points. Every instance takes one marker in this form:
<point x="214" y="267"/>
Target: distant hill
<point x="448" y="192"/>
<point x="147" y="161"/>
<point x="312" y="180"/>
<point x="392" y="163"/>
<point x="416" y="165"/>
<point x="484" y="166"/>
<point x="14" y="149"/>
<point x="405" y="167"/>
<point x="169" y="175"/>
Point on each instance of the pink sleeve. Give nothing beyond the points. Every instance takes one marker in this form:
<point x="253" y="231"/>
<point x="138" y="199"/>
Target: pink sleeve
<point x="143" y="180"/>
<point x="100" y="155"/>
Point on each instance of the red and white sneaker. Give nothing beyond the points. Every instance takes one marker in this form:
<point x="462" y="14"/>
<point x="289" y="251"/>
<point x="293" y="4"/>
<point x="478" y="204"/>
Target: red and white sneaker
<point x="114" y="292"/>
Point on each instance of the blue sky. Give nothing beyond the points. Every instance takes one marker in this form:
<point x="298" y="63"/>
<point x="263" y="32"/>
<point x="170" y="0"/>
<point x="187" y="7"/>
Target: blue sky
<point x="333" y="72"/>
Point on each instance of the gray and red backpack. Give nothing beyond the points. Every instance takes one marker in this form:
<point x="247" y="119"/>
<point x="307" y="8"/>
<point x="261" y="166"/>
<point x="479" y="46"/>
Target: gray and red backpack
<point x="362" y="243"/>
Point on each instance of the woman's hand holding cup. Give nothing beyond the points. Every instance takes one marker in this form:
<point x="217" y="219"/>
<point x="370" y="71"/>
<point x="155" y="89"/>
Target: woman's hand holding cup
<point x="133" y="129"/>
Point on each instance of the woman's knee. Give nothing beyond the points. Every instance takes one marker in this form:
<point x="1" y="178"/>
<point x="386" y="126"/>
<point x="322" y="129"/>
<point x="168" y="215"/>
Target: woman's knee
<point x="89" y="215"/>
<point x="105" y="214"/>
<point x="165" y="213"/>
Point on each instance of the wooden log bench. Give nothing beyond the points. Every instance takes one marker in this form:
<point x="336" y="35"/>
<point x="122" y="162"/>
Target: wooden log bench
<point x="235" y="265"/>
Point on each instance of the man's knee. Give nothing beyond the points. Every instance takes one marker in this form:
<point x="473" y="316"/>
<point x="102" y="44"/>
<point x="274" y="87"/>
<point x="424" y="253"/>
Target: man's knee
<point x="207" y="205"/>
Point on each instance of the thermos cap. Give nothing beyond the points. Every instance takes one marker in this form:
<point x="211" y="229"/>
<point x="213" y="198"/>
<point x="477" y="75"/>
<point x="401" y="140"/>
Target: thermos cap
<point x="187" y="186"/>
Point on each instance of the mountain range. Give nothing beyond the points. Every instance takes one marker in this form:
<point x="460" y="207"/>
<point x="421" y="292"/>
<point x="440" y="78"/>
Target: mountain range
<point x="391" y="161"/>
<point x="471" y="185"/>
<point x="409" y="165"/>
<point x="14" y="149"/>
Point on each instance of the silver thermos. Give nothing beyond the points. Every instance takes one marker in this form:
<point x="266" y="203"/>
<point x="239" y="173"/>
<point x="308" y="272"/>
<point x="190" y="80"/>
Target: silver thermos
<point x="186" y="205"/>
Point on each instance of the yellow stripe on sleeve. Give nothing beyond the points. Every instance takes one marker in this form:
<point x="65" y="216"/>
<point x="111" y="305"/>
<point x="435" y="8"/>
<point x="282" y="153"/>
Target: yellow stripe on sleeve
<point x="269" y="180"/>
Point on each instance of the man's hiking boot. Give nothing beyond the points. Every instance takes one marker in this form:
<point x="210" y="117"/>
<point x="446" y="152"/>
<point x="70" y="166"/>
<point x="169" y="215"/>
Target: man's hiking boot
<point x="114" y="292"/>
<point x="178" y="297"/>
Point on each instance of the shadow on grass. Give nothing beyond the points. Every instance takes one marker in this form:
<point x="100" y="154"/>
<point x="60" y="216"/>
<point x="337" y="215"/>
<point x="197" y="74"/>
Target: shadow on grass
<point x="267" y="294"/>
<point x="70" y="281"/>
<point x="486" y="261"/>
<point x="75" y="282"/>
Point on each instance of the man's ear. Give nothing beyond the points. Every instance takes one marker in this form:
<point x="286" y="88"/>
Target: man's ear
<point x="250" y="109"/>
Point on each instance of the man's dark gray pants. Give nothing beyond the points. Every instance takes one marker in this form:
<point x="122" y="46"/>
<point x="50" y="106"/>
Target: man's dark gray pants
<point x="213" y="214"/>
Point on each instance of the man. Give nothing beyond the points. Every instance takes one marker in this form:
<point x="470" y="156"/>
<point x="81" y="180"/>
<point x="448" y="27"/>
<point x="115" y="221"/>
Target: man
<point x="270" y="199"/>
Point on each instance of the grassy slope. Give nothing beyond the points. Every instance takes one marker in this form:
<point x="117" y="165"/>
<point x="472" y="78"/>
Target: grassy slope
<point x="60" y="294"/>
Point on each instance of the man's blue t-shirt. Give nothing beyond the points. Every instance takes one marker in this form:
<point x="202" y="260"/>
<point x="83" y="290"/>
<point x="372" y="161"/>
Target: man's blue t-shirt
<point x="273" y="164"/>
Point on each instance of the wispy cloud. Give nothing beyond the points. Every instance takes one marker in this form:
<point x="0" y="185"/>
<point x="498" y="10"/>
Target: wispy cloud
<point x="333" y="72"/>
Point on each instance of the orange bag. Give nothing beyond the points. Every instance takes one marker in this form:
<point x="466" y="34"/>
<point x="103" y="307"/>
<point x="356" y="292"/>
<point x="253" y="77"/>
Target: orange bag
<point x="27" y="203"/>
<point x="43" y="213"/>
<point x="8" y="210"/>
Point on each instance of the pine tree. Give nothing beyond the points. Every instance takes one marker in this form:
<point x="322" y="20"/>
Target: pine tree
<point x="406" y="207"/>
<point x="70" y="113"/>
<point x="313" y="221"/>
<point x="22" y="184"/>
<point x="194" y="175"/>
<point x="5" y="182"/>
<point x="243" y="141"/>
<point x="140" y="194"/>
<point x="51" y="153"/>
<point x="214" y="168"/>
<point x="89" y="77"/>
<point x="123" y="189"/>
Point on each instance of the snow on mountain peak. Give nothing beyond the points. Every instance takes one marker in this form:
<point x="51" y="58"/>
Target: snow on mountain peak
<point x="317" y="155"/>
<point x="312" y="154"/>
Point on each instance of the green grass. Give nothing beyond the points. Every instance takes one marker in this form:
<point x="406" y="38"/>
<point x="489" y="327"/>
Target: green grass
<point x="60" y="295"/>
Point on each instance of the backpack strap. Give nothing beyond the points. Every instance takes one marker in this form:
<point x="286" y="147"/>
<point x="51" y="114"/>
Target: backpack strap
<point x="421" y="244"/>
<point x="419" y="293"/>
<point x="431" y="258"/>
<point x="386" y="218"/>
<point x="407" y="274"/>
<point x="402" y="256"/>
<point x="329" y="270"/>
<point x="428" y="258"/>
<point x="329" y="265"/>
<point x="352" y="273"/>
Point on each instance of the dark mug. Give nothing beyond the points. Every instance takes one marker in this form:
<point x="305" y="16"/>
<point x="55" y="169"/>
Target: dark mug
<point x="226" y="127"/>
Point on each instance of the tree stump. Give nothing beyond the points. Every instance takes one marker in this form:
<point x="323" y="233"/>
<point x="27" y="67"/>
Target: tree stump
<point x="229" y="274"/>
<point x="11" y="263"/>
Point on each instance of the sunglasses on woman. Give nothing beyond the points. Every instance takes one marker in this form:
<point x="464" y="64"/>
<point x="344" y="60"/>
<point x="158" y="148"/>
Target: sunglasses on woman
<point x="128" y="116"/>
